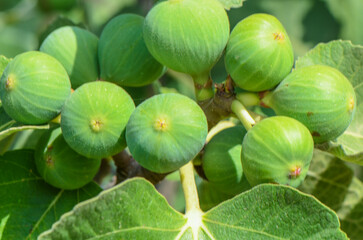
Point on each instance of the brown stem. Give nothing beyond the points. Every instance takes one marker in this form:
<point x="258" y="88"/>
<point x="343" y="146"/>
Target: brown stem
<point x="219" y="107"/>
<point x="127" y="167"/>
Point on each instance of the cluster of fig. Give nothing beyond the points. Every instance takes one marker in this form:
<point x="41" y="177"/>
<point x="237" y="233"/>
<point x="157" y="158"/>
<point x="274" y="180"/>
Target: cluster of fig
<point x="163" y="133"/>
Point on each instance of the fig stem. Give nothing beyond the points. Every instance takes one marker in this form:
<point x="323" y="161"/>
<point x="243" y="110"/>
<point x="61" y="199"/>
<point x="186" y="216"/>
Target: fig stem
<point x="248" y="99"/>
<point x="203" y="86"/>
<point x="189" y="188"/>
<point x="243" y="115"/>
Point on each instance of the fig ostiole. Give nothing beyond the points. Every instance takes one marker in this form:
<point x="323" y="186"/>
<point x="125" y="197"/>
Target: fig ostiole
<point x="277" y="150"/>
<point x="259" y="53"/>
<point x="34" y="87"/>
<point x="166" y="131"/>
<point x="222" y="161"/>
<point x="186" y="35"/>
<point x="123" y="56"/>
<point x="76" y="49"/>
<point x="94" y="119"/>
<point x="60" y="166"/>
<point x="319" y="96"/>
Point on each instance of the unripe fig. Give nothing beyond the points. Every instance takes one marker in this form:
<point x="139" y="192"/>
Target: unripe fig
<point x="60" y="165"/>
<point x="94" y="119"/>
<point x="259" y="53"/>
<point x="222" y="161"/>
<point x="165" y="132"/>
<point x="186" y="35"/>
<point x="34" y="87"/>
<point x="76" y="49"/>
<point x="320" y="97"/>
<point x="123" y="56"/>
<point x="277" y="150"/>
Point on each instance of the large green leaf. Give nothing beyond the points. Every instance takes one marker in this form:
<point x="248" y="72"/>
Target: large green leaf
<point x="135" y="210"/>
<point x="348" y="59"/>
<point x="3" y="222"/>
<point x="32" y="204"/>
<point x="332" y="182"/>
<point x="228" y="4"/>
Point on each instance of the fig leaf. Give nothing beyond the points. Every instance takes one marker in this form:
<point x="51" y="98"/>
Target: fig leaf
<point x="348" y="59"/>
<point x="135" y="210"/>
<point x="332" y="182"/>
<point x="32" y="204"/>
<point x="228" y="4"/>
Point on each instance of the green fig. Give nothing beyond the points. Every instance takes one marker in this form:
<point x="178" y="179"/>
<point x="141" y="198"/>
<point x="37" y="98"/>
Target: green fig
<point x="222" y="161"/>
<point x="123" y="56"/>
<point x="186" y="35"/>
<point x="60" y="165"/>
<point x="166" y="131"/>
<point x="319" y="96"/>
<point x="94" y="119"/>
<point x="259" y="53"/>
<point x="76" y="49"/>
<point x="34" y="87"/>
<point x="277" y="150"/>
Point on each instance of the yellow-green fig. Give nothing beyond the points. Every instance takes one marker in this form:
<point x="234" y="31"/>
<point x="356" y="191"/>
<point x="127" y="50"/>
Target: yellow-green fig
<point x="123" y="56"/>
<point x="259" y="53"/>
<point x="319" y="96"/>
<point x="186" y="35"/>
<point x="34" y="87"/>
<point x="60" y="165"/>
<point x="76" y="49"/>
<point x="166" y="131"/>
<point x="277" y="150"/>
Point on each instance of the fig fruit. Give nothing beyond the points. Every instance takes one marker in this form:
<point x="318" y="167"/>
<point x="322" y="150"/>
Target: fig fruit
<point x="60" y="166"/>
<point x="123" y="56"/>
<point x="277" y="150"/>
<point x="94" y="119"/>
<point x="259" y="53"/>
<point x="319" y="96"/>
<point x="166" y="131"/>
<point x="222" y="161"/>
<point x="186" y="35"/>
<point x="34" y="87"/>
<point x="76" y="49"/>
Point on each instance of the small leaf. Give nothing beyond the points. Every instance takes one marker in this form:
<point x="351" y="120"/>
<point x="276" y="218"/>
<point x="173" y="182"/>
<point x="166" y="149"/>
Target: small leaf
<point x="3" y="63"/>
<point x="348" y="59"/>
<point x="332" y="182"/>
<point x="135" y="210"/>
<point x="32" y="204"/>
<point x="3" y="222"/>
<point x="9" y="126"/>
<point x="228" y="4"/>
